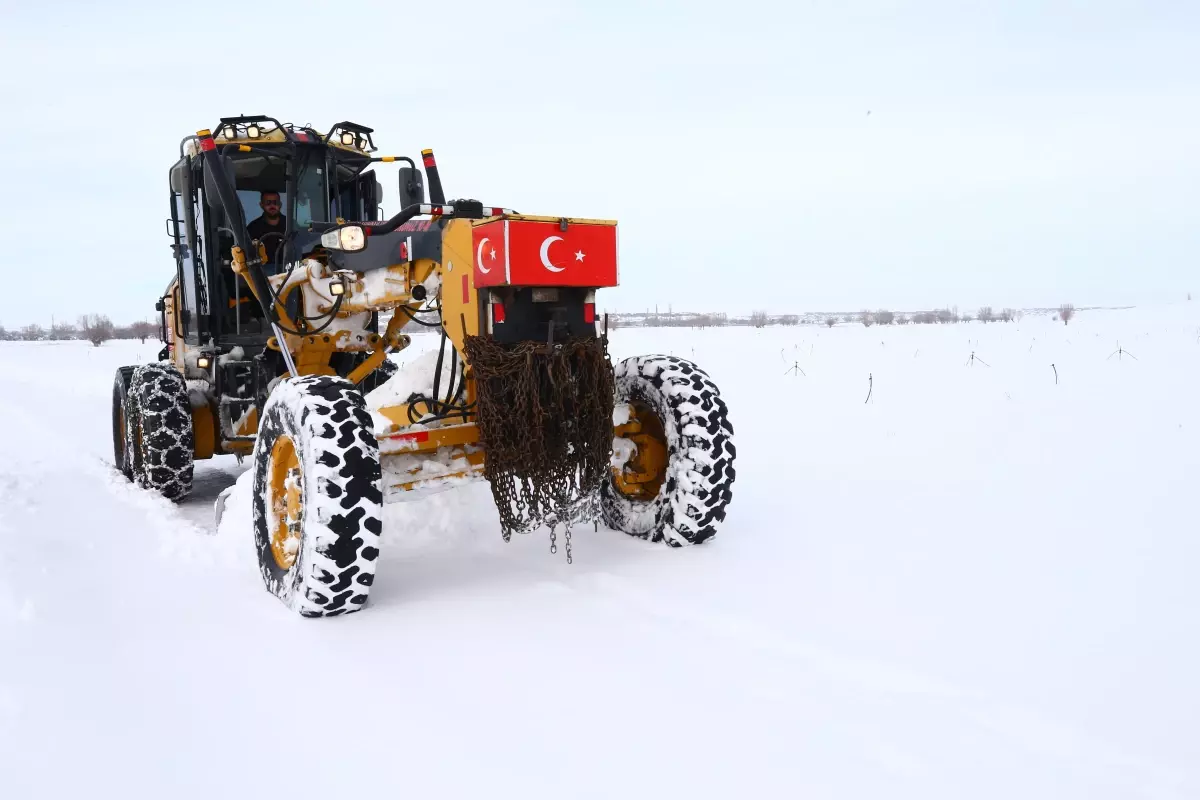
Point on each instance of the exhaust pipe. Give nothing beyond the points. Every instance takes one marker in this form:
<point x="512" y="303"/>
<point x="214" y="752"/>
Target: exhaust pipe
<point x="436" y="195"/>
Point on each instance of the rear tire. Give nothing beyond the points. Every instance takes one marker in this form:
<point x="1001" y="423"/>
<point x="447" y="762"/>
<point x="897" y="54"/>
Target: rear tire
<point x="122" y="458"/>
<point x="159" y="431"/>
<point x="317" y="506"/>
<point x="697" y="485"/>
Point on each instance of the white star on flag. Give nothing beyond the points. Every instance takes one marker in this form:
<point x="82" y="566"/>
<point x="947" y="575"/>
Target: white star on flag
<point x="579" y="255"/>
<point x="493" y="253"/>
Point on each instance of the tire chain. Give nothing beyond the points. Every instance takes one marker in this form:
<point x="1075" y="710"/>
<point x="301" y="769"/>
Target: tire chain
<point x="545" y="423"/>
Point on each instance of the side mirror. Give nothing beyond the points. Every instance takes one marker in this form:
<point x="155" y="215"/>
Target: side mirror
<point x="179" y="178"/>
<point x="412" y="187"/>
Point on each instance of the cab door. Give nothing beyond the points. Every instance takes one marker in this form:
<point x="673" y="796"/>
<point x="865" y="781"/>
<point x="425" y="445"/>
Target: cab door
<point x="184" y="247"/>
<point x="369" y="195"/>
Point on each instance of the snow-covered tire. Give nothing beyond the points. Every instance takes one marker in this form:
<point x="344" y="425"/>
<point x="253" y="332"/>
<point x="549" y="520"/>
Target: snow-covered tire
<point x="122" y="458"/>
<point x="322" y="562"/>
<point x="700" y="453"/>
<point x="160" y="436"/>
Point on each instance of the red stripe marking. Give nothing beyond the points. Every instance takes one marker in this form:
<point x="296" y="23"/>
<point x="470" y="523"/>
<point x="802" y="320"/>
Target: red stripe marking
<point x="466" y="291"/>
<point x="429" y="162"/>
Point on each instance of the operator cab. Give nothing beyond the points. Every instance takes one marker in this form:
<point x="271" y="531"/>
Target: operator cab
<point x="260" y="155"/>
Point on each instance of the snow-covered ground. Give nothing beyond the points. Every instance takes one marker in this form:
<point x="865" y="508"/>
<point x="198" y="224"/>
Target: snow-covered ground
<point x="978" y="584"/>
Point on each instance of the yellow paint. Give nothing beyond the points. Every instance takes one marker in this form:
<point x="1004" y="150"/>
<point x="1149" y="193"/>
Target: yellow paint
<point x="475" y="460"/>
<point x="459" y="319"/>
<point x="643" y="475"/>
<point x="274" y="136"/>
<point x="443" y="436"/>
<point x="285" y="501"/>
<point x="204" y="433"/>
<point x="570" y="220"/>
<point x="174" y="337"/>
<point x="369" y="365"/>
<point x="398" y="280"/>
<point x="248" y="427"/>
<point x="313" y="352"/>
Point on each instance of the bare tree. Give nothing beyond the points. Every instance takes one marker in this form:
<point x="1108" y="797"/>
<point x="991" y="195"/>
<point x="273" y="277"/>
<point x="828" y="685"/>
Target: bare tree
<point x="884" y="317"/>
<point x="758" y="319"/>
<point x="96" y="328"/>
<point x="1008" y="314"/>
<point x="789" y="319"/>
<point x="866" y="319"/>
<point x="830" y="322"/>
<point x="985" y="314"/>
<point x="61" y="331"/>
<point x="142" y="330"/>
<point x="1066" y="312"/>
<point x="901" y="319"/>
<point x="33" y="333"/>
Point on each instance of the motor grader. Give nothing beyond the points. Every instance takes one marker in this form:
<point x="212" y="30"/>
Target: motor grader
<point x="271" y="349"/>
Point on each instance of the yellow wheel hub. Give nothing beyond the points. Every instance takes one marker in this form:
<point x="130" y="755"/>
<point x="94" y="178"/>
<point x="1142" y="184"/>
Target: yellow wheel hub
<point x="643" y="475"/>
<point x="285" y="501"/>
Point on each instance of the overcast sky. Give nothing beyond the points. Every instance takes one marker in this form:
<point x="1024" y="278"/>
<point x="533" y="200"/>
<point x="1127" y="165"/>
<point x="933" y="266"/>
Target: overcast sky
<point x="1014" y="154"/>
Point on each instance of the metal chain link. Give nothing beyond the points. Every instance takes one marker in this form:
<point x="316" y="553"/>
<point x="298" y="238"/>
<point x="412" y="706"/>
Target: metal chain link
<point x="545" y="423"/>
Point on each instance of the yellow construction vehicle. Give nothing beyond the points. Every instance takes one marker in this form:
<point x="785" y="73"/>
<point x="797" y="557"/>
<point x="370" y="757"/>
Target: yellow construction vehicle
<point x="277" y="328"/>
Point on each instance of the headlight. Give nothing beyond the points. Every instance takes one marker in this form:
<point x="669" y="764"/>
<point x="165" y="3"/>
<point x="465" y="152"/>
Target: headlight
<point x="349" y="238"/>
<point x="348" y="139"/>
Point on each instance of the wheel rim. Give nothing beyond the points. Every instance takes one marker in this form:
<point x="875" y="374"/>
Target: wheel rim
<point x="643" y="475"/>
<point x="285" y="502"/>
<point x="120" y="440"/>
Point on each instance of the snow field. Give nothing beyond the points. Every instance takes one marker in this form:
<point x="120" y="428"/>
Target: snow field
<point x="978" y="584"/>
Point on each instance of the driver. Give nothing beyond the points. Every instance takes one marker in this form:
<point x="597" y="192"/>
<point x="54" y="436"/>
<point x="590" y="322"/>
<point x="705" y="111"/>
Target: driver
<point x="271" y="221"/>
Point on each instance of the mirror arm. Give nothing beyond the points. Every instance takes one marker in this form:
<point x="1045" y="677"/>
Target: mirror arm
<point x="390" y="159"/>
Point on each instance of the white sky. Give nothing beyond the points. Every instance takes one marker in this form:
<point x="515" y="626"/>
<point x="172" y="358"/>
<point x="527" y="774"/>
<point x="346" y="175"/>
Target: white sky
<point x="1017" y="153"/>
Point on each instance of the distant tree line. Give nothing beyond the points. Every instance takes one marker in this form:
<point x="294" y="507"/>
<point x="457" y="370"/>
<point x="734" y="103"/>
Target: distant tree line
<point x="94" y="328"/>
<point x="761" y="319"/>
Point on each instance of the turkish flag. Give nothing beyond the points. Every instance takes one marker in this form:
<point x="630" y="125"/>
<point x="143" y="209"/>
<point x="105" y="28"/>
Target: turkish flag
<point x="517" y="251"/>
<point x="490" y="258"/>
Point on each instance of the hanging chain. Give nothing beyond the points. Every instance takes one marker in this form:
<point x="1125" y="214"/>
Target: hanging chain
<point x="545" y="423"/>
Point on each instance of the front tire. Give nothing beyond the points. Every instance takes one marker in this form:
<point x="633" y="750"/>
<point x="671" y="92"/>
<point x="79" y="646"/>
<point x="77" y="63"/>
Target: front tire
<point x="318" y="505"/>
<point x="685" y="471"/>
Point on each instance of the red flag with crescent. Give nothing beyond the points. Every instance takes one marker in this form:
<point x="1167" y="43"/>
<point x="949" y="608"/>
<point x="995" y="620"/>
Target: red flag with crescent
<point x="525" y="252"/>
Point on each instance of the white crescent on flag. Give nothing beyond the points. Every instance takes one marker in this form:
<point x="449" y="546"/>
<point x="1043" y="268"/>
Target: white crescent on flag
<point x="546" y="253"/>
<point x="479" y="256"/>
